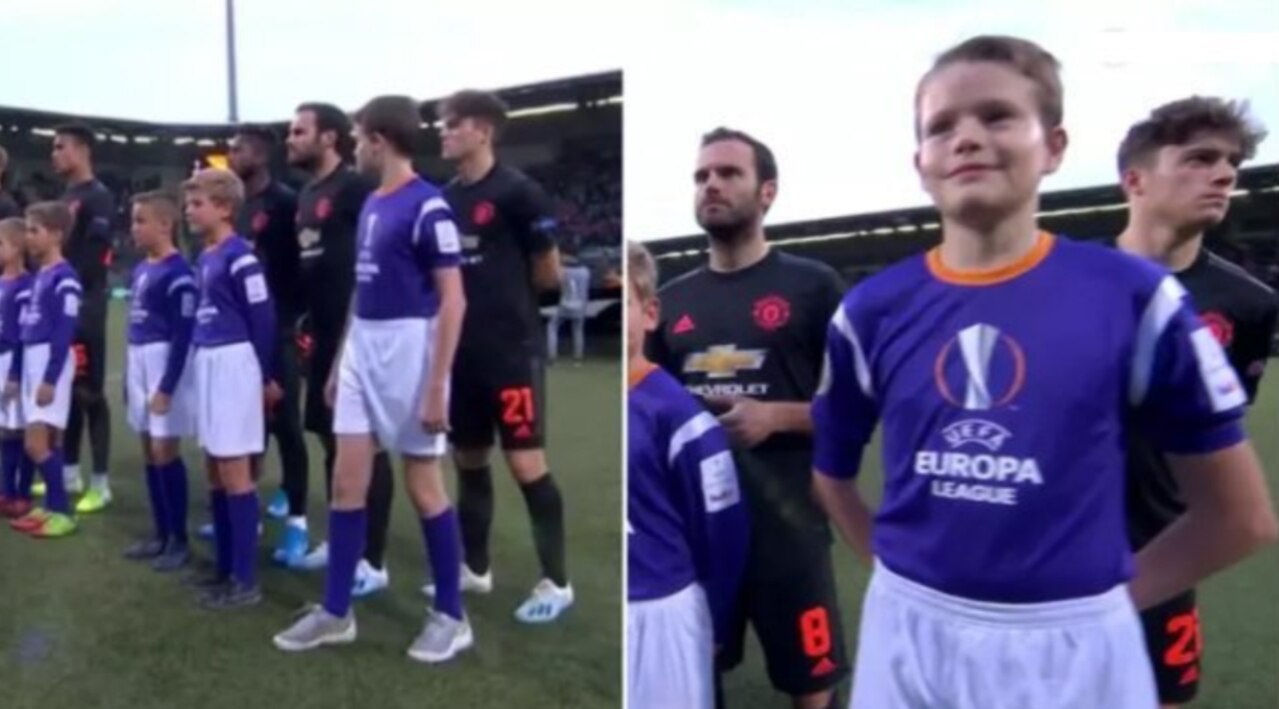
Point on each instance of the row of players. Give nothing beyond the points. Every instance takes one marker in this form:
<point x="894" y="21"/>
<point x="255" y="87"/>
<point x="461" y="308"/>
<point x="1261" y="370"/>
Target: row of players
<point x="1048" y="406"/>
<point x="423" y="296"/>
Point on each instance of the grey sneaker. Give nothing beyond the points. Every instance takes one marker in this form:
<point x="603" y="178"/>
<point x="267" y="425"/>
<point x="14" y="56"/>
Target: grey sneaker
<point x="443" y="637"/>
<point x="230" y="597"/>
<point x="144" y="549"/>
<point x="316" y="627"/>
<point x="176" y="556"/>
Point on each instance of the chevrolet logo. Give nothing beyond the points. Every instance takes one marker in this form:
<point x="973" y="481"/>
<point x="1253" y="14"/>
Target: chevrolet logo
<point x="723" y="361"/>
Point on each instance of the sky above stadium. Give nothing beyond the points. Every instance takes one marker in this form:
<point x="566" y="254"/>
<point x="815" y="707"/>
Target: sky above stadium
<point x="830" y="88"/>
<point x="827" y="83"/>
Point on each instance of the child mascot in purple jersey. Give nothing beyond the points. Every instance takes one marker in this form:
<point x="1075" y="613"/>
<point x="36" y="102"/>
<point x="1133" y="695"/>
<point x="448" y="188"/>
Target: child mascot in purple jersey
<point x="1006" y="367"/>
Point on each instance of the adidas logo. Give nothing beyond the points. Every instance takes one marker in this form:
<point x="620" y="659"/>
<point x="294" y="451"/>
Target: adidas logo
<point x="1191" y="675"/>
<point x="683" y="325"/>
<point x="824" y="667"/>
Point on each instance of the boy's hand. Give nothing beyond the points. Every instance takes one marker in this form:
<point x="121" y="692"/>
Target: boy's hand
<point x="160" y="403"/>
<point x="272" y="394"/>
<point x="11" y="390"/>
<point x="44" y="394"/>
<point x="434" y="413"/>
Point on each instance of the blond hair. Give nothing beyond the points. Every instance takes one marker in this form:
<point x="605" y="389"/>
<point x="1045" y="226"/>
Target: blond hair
<point x="641" y="270"/>
<point x="222" y="187"/>
<point x="162" y="205"/>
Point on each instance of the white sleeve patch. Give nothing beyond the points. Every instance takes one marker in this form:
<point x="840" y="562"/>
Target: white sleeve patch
<point x="447" y="240"/>
<point x="719" y="482"/>
<point x="71" y="305"/>
<point x="188" y="305"/>
<point x="1219" y="378"/>
<point x="255" y="288"/>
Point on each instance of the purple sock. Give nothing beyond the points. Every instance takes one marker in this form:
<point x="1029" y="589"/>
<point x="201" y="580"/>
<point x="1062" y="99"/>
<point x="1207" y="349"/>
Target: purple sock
<point x="174" y="476"/>
<point x="26" y="476"/>
<point x="55" y="496"/>
<point x="244" y="536"/>
<point x="155" y="491"/>
<point x="346" y="543"/>
<point x="221" y="530"/>
<point x="444" y="545"/>
<point x="10" y="457"/>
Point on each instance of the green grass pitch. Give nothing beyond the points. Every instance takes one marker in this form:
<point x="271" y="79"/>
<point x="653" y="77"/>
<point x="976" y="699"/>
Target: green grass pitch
<point x="82" y="628"/>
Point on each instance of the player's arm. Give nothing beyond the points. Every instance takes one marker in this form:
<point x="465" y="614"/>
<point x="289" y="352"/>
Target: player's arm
<point x="438" y="248"/>
<point x="100" y="208"/>
<point x="181" y="300"/>
<point x="62" y="327"/>
<point x="536" y="228"/>
<point x="260" y="310"/>
<point x="1190" y="402"/>
<point x="845" y="413"/>
<point x="715" y="515"/>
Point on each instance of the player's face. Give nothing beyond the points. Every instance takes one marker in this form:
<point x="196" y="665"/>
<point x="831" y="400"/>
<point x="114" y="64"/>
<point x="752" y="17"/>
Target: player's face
<point x="147" y="228"/>
<point x="461" y="137"/>
<point x="66" y="154"/>
<point x="729" y="195"/>
<point x="245" y="159"/>
<point x="1189" y="185"/>
<point x="641" y="319"/>
<point x="303" y="144"/>
<point x="368" y="153"/>
<point x="982" y="148"/>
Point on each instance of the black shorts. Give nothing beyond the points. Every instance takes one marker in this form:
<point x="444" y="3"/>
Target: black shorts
<point x="506" y="393"/>
<point x="1175" y="644"/>
<point x="789" y="597"/>
<point x="89" y="348"/>
<point x="283" y="419"/>
<point x="318" y="416"/>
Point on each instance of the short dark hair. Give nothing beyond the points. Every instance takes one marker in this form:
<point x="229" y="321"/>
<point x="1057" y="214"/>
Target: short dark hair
<point x="395" y="118"/>
<point x="765" y="163"/>
<point x="81" y="132"/>
<point x="52" y="215"/>
<point x="262" y="135"/>
<point x="473" y="103"/>
<point x="1178" y="122"/>
<point x="163" y="204"/>
<point x="1022" y="56"/>
<point x="330" y="118"/>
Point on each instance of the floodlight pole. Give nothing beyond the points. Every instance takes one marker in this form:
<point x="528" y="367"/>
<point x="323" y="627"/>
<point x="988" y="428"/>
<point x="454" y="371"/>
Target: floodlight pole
<point x="232" y="87"/>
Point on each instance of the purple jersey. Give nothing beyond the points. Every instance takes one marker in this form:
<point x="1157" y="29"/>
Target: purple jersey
<point x="684" y="514"/>
<point x="163" y="310"/>
<point x="51" y="316"/>
<point x="235" y="304"/>
<point x="1005" y="400"/>
<point x="404" y="236"/>
<point x="15" y="294"/>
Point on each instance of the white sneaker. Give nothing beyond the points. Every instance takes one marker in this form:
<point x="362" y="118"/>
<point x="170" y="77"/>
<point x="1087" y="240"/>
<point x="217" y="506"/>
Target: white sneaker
<point x="369" y="580"/>
<point x="471" y="582"/>
<point x="546" y="603"/>
<point x="316" y="560"/>
<point x="442" y="638"/>
<point x="71" y="480"/>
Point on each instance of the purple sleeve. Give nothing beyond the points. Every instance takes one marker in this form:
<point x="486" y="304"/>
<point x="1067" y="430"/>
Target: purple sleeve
<point x="436" y="242"/>
<point x="181" y="302"/>
<point x="62" y="326"/>
<point x="719" y="529"/>
<point x="845" y="411"/>
<point x="259" y="310"/>
<point x="1188" y="397"/>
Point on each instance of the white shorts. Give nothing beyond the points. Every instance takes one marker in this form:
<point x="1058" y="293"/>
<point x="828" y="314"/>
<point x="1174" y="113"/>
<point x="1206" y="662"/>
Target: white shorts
<point x="230" y="412"/>
<point x="34" y="360"/>
<point x="10" y="409"/>
<point x="670" y="652"/>
<point x="144" y="369"/>
<point x="923" y="649"/>
<point x="384" y="364"/>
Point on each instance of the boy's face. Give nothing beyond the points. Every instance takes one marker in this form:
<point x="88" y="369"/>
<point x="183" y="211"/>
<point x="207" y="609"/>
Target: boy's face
<point x="1187" y="186"/>
<point x="8" y="252"/>
<point x="202" y="214"/>
<point x="982" y="146"/>
<point x="148" y="229"/>
<point x="641" y="319"/>
<point x="368" y="152"/>
<point x="39" y="239"/>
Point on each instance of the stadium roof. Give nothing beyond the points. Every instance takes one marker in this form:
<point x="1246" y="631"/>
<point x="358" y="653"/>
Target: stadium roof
<point x="526" y="100"/>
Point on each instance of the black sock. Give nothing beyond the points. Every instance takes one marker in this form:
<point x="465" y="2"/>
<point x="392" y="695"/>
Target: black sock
<point x="75" y="430"/>
<point x="475" y="515"/>
<point x="546" y="510"/>
<point x="330" y="445"/>
<point x="98" y="412"/>
<point x="381" y="493"/>
<point x="293" y="459"/>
